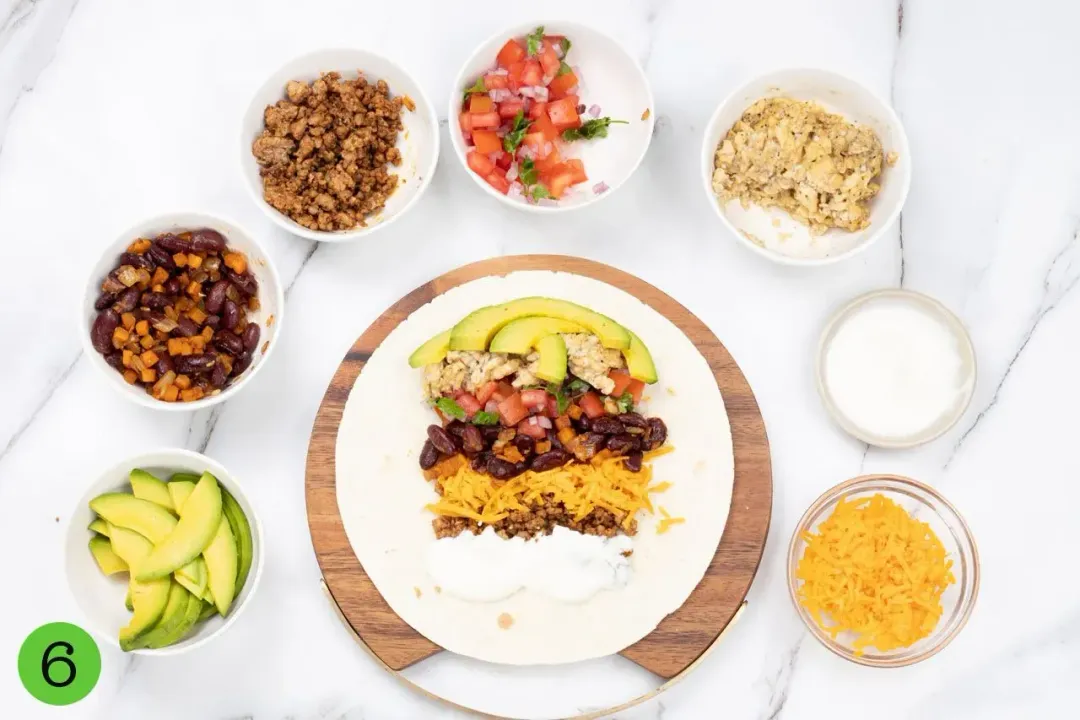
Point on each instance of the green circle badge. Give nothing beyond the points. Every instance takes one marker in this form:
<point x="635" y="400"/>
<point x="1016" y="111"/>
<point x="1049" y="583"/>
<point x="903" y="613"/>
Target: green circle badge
<point x="59" y="663"/>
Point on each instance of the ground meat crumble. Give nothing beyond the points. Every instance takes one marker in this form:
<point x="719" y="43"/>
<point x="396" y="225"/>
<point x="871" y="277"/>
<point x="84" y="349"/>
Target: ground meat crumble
<point x="537" y="520"/>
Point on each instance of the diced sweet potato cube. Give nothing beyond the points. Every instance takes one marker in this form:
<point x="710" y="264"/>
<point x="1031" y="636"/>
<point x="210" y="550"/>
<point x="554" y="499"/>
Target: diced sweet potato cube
<point x="194" y="261"/>
<point x="126" y="358"/>
<point x="148" y="375"/>
<point x="139" y="246"/>
<point x="127" y="320"/>
<point x="142" y="327"/>
<point x="146" y="342"/>
<point x="142" y="275"/>
<point x="183" y="305"/>
<point x="194" y="290"/>
<point x="197" y="315"/>
<point x="543" y="446"/>
<point x="131" y="376"/>
<point x="160" y="276"/>
<point x="253" y="304"/>
<point x="150" y="358"/>
<point x="574" y="412"/>
<point x="171" y="393"/>
<point x="197" y="342"/>
<point x="183" y="382"/>
<point x="170" y="312"/>
<point x="236" y="262"/>
<point x="566" y="435"/>
<point x="180" y="259"/>
<point x="191" y="394"/>
<point x="176" y="346"/>
<point x="207" y="333"/>
<point x="119" y="337"/>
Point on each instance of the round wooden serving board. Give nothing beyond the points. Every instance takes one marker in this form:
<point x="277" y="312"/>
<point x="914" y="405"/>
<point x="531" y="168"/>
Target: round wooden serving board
<point x="681" y="637"/>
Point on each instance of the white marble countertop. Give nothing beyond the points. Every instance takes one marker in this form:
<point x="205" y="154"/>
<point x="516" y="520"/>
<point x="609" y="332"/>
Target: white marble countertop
<point x="111" y="111"/>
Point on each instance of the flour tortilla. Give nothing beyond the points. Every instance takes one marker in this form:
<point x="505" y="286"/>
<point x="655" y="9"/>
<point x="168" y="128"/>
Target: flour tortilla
<point x="381" y="492"/>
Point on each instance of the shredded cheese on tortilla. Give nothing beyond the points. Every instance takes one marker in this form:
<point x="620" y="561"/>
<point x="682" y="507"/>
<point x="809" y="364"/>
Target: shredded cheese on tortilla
<point x="666" y="521"/>
<point x="604" y="482"/>
<point x="873" y="570"/>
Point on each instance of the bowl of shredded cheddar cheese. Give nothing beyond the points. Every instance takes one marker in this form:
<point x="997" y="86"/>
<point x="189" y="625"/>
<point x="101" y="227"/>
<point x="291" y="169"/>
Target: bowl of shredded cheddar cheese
<point x="883" y="570"/>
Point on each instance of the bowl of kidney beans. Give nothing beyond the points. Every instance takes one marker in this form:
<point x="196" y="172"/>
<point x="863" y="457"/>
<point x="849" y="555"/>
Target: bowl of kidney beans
<point x="181" y="311"/>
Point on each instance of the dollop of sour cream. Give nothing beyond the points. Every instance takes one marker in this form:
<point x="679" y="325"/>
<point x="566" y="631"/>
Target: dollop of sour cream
<point x="566" y="565"/>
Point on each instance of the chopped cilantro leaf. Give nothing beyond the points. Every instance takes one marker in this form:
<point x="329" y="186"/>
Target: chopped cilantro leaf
<point x="527" y="172"/>
<point x="561" y="400"/>
<point x="539" y="191"/>
<point x="532" y="42"/>
<point x="484" y="417"/>
<point x="578" y="386"/>
<point x="596" y="128"/>
<point x="517" y="132"/>
<point x="450" y="408"/>
<point x="565" y="42"/>
<point x="563" y="68"/>
<point x="477" y="87"/>
<point x="625" y="402"/>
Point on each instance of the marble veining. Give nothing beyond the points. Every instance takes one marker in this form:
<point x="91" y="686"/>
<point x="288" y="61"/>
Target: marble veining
<point x="113" y="110"/>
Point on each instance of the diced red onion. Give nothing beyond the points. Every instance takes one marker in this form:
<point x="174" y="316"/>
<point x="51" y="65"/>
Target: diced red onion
<point x="494" y="157"/>
<point x="594" y="110"/>
<point x="512" y="173"/>
<point x="526" y="152"/>
<point x="492" y="407"/>
<point x="548" y="147"/>
<point x="600" y="187"/>
<point x="501" y="131"/>
<point x="541" y="93"/>
<point x="558" y="47"/>
<point x="500" y="94"/>
<point x="527" y="91"/>
<point x="542" y="421"/>
<point x="515" y="190"/>
<point x="498" y="71"/>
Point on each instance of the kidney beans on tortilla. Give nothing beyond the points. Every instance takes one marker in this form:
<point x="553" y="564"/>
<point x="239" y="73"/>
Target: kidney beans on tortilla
<point x="549" y="460"/>
<point x="633" y="461"/>
<point x="442" y="440"/>
<point x="607" y="425"/>
<point x="657" y="433"/>
<point x="428" y="456"/>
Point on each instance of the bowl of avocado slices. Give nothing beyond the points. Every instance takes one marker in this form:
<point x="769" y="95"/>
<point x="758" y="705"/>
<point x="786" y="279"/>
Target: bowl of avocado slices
<point x="163" y="552"/>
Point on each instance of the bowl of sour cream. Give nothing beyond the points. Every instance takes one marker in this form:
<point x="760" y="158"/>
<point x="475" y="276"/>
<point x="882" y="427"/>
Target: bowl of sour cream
<point x="895" y="368"/>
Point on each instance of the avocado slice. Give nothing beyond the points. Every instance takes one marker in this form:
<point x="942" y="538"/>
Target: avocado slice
<point x="639" y="360"/>
<point x="179" y="491"/>
<point x="184" y="477"/>
<point x="193" y="533"/>
<point x="147" y="487"/>
<point x="222" y="560"/>
<point x="208" y="610"/>
<point x="520" y="336"/>
<point x="130" y="546"/>
<point x="109" y="562"/>
<point x="148" y="600"/>
<point x="127" y="599"/>
<point x="241" y="530"/>
<point x="476" y="330"/>
<point x="174" y="613"/>
<point x="148" y="519"/>
<point x="193" y="582"/>
<point x="99" y="526"/>
<point x="433" y="351"/>
<point x="552" y="363"/>
<point x="194" y="612"/>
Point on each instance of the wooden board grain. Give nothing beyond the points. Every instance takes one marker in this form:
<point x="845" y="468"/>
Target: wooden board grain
<point x="682" y="636"/>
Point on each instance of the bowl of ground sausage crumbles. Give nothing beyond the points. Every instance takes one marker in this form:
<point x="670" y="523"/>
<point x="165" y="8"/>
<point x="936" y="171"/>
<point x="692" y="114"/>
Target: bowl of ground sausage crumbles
<point x="181" y="311"/>
<point x="337" y="144"/>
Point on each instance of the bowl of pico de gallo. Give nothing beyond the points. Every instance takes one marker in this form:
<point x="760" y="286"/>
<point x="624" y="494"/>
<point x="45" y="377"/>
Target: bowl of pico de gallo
<point x="551" y="116"/>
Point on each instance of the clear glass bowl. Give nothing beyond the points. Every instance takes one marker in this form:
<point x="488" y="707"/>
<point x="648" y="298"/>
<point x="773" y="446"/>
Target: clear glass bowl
<point x="927" y="505"/>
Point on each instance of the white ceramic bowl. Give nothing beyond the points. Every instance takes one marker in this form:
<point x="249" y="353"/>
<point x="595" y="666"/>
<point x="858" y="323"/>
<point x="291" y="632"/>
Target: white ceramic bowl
<point x="610" y="78"/>
<point x="779" y="237"/>
<point x="101" y="598"/>
<point x="419" y="143"/>
<point x="931" y="307"/>
<point x="269" y="315"/>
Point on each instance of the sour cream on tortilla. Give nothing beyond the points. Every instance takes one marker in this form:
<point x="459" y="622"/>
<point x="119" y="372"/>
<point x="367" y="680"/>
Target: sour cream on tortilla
<point x="566" y="565"/>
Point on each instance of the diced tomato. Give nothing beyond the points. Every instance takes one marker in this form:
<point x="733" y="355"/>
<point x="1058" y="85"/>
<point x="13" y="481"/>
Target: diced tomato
<point x="577" y="169"/>
<point x="545" y="164"/>
<point x="592" y="405"/>
<point x="513" y="410"/>
<point x="559" y="178"/>
<point x="485" y="391"/>
<point x="555" y="40"/>
<point x="514" y="73"/>
<point x="465" y="120"/>
<point x="479" y="163"/>
<point x="531" y="428"/>
<point x="510" y="108"/>
<point x="540" y="145"/>
<point x="502" y="391"/>
<point x="469" y="404"/>
<point x="532" y="74"/>
<point x="560" y="86"/>
<point x="549" y="61"/>
<point x="504" y="161"/>
<point x="635" y="388"/>
<point x="544" y="125"/>
<point x="552" y="407"/>
<point x="534" y="399"/>
<point x="480" y="104"/>
<point x="497" y="179"/>
<point x="563" y="114"/>
<point x="486" y="141"/>
<point x="622" y="381"/>
<point x="537" y="109"/>
<point x="573" y="98"/>
<point x="496" y="82"/>
<point x="485" y="120"/>
<point x="510" y="53"/>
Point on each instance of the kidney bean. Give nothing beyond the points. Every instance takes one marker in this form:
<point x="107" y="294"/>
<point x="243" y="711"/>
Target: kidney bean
<point x="116" y="359"/>
<point x="588" y="445"/>
<point x="172" y="286"/>
<point x="186" y="326"/>
<point x="633" y="461"/>
<point x="549" y="460"/>
<point x="154" y="300"/>
<point x="242" y="363"/>
<point x="442" y="440"/>
<point x="105" y="299"/>
<point x="251" y="336"/>
<point x="101" y="331"/>
<point x="218" y="376"/>
<point x="216" y="297"/>
<point x="229" y="342"/>
<point x="207" y="240"/>
<point x="503" y="469"/>
<point x="480" y="460"/>
<point x="428" y="456"/>
<point x="607" y="425"/>
<point x="633" y="420"/>
<point x="136" y="261"/>
<point x="657" y="435"/>
<point x="490" y="433"/>
<point x="246" y="283"/>
<point x="471" y="440"/>
<point x="456" y="428"/>
<point x="230" y="315"/>
<point x="195" y="364"/>
<point x="127" y="300"/>
<point x="173" y="243"/>
<point x="212" y="321"/>
<point x="165" y="364"/>
<point x="623" y="443"/>
<point x="524" y="444"/>
<point x="161" y="257"/>
<point x="582" y="424"/>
